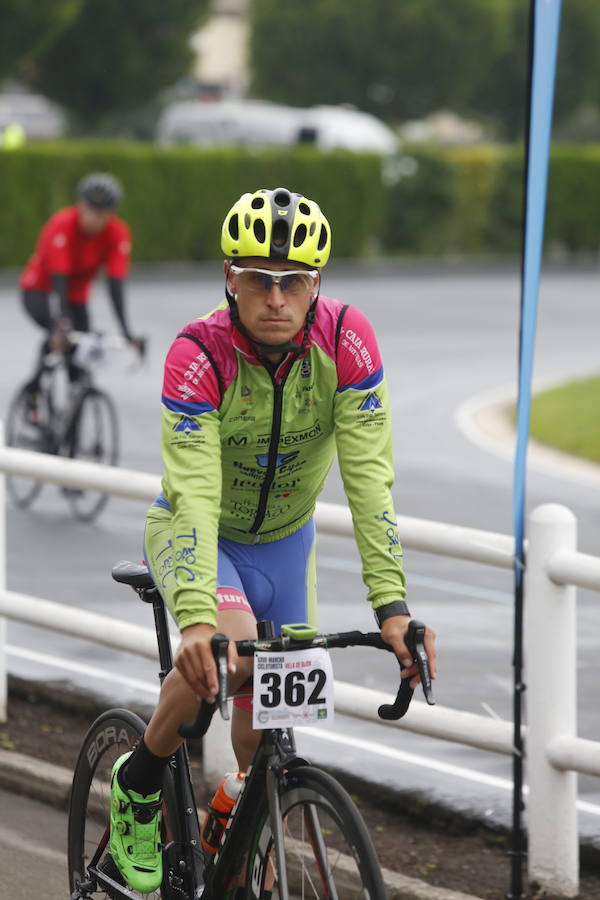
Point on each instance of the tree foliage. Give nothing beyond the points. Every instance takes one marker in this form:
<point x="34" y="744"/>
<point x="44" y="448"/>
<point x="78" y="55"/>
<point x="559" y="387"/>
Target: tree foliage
<point x="115" y="55"/>
<point x="28" y="26"/>
<point x="402" y="59"/>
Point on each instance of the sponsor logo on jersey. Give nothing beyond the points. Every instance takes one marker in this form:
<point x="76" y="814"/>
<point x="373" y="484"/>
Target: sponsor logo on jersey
<point x="370" y="403"/>
<point x="293" y="437"/>
<point x="305" y="368"/>
<point x="237" y="440"/>
<point x="186" y="391"/>
<point x="282" y="459"/>
<point x="186" y="424"/>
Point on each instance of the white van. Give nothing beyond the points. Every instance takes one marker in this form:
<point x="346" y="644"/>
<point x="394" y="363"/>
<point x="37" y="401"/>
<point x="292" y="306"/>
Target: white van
<point x="257" y="123"/>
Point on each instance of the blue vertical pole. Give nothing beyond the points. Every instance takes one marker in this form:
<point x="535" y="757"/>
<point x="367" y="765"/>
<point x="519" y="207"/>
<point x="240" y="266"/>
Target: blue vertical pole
<point x="543" y="37"/>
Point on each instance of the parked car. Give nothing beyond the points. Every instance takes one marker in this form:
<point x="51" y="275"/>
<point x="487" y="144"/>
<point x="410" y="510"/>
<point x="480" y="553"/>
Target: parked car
<point x="257" y="123"/>
<point x="37" y="116"/>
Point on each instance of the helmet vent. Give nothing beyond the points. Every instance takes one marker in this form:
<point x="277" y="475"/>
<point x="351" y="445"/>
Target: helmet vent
<point x="322" y="238"/>
<point x="234" y="227"/>
<point x="280" y="233"/>
<point x="246" y="221"/>
<point x="304" y="209"/>
<point x="259" y="230"/>
<point x="300" y="235"/>
<point x="258" y="203"/>
<point x="282" y="198"/>
<point x="313" y="228"/>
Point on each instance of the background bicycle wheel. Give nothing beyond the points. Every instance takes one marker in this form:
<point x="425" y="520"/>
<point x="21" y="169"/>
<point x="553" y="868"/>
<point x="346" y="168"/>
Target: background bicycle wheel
<point x="92" y="437"/>
<point x="23" y="434"/>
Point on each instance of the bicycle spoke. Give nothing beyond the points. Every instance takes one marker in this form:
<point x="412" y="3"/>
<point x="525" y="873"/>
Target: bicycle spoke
<point x="328" y="853"/>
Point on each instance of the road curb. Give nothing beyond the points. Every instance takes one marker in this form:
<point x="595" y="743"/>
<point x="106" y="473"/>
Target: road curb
<point x="35" y="778"/>
<point x="51" y="784"/>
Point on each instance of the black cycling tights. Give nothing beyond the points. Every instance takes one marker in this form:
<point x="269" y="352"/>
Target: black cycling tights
<point x="37" y="305"/>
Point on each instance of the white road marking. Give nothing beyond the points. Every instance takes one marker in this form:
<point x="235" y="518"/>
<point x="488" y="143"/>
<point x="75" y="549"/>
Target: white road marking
<point x="438" y="584"/>
<point x="81" y="669"/>
<point x="427" y="763"/>
<point x="20" y="842"/>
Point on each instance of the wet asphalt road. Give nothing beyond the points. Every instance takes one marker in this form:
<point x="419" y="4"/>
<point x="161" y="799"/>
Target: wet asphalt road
<point x="445" y="336"/>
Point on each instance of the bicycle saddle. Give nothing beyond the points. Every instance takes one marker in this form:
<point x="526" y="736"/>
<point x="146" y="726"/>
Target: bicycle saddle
<point x="138" y="577"/>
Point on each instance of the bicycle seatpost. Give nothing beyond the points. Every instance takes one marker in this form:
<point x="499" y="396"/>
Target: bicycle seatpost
<point x="415" y="641"/>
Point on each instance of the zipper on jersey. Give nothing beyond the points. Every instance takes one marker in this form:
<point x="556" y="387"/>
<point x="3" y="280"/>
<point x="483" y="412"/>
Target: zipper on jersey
<point x="273" y="451"/>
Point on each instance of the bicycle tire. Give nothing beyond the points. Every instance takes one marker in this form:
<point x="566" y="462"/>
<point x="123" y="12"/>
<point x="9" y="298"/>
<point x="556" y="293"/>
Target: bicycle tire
<point x="111" y="735"/>
<point x="94" y="437"/>
<point x="24" y="435"/>
<point x="329" y="853"/>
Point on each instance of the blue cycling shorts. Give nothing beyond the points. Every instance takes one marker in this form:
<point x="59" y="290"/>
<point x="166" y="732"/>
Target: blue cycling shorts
<point x="276" y="581"/>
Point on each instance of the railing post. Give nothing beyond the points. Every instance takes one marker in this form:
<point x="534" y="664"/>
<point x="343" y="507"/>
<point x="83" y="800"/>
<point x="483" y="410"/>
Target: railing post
<point x="3" y="690"/>
<point x="550" y="657"/>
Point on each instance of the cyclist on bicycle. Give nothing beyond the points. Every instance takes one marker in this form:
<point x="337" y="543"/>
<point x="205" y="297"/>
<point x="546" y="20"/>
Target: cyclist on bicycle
<point x="74" y="243"/>
<point x="257" y="395"/>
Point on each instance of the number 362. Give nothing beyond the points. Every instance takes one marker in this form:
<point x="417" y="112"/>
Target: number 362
<point x="294" y="688"/>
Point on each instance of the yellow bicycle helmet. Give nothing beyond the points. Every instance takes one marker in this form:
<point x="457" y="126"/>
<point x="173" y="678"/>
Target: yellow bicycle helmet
<point x="277" y="224"/>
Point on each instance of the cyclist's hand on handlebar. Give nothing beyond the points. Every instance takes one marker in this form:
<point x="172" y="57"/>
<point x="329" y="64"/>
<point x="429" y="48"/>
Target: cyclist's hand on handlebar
<point x="393" y="632"/>
<point x="195" y="660"/>
<point x="138" y="344"/>
<point x="58" y="336"/>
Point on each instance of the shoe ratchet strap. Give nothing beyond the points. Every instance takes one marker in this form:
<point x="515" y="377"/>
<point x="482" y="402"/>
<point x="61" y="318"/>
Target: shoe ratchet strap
<point x="415" y="641"/>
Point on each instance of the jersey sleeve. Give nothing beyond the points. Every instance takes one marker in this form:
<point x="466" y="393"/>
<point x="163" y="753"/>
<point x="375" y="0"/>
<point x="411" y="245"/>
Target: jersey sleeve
<point x="119" y="250"/>
<point x="191" y="452"/>
<point x="56" y="247"/>
<point x="364" y="445"/>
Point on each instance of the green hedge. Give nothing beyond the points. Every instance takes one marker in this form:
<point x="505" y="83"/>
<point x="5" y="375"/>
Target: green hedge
<point x="470" y="201"/>
<point x="428" y="201"/>
<point x="176" y="200"/>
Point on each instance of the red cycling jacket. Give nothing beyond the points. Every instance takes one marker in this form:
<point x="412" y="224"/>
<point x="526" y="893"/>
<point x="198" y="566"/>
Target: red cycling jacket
<point x="64" y="249"/>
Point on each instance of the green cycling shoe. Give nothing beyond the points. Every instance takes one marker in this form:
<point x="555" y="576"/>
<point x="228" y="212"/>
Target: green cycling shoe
<point x="135" y="844"/>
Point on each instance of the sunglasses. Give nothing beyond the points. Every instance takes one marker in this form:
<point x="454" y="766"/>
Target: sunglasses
<point x="261" y="281"/>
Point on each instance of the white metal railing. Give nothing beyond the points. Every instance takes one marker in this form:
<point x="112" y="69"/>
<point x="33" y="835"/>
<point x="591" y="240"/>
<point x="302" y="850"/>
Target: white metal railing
<point x="554" y="568"/>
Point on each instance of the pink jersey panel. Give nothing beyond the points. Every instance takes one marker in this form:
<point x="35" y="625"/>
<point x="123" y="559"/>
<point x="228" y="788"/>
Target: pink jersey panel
<point x="358" y="358"/>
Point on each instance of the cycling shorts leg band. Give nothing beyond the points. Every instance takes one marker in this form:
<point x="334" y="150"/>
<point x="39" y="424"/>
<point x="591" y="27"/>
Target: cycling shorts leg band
<point x="232" y="598"/>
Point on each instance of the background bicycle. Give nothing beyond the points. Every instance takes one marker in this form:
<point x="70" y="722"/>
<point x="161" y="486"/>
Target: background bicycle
<point x="293" y="832"/>
<point x="71" y="418"/>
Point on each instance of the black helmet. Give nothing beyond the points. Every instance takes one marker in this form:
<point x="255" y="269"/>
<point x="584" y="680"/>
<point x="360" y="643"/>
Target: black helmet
<point x="100" y="190"/>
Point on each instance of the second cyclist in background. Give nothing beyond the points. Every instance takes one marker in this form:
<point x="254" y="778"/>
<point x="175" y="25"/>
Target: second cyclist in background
<point x="74" y="244"/>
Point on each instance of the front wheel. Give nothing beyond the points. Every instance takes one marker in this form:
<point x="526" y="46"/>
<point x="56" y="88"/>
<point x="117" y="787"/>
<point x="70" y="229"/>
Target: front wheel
<point x="93" y="436"/>
<point x="24" y="432"/>
<point x="112" y="734"/>
<point x="328" y="851"/>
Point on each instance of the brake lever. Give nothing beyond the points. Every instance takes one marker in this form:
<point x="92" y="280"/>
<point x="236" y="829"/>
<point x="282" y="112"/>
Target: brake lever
<point x="415" y="641"/>
<point x="200" y="725"/>
<point x="219" y="645"/>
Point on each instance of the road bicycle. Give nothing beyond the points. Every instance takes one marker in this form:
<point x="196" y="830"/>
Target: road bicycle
<point x="294" y="832"/>
<point x="75" y="420"/>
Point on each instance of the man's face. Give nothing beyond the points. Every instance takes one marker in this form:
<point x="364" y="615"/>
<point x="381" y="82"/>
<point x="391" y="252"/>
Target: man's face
<point x="92" y="221"/>
<point x="272" y="313"/>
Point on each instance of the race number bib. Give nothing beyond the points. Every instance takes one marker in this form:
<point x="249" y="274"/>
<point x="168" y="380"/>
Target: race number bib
<point x="292" y="689"/>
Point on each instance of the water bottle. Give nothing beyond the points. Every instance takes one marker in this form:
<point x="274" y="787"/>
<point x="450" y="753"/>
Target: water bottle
<point x="218" y="811"/>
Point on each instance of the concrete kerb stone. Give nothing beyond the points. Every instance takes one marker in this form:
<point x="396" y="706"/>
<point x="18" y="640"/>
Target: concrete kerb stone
<point x="51" y="784"/>
<point x="485" y="420"/>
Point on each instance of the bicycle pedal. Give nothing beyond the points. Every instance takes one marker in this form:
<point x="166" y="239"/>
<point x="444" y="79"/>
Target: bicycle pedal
<point x="108" y="867"/>
<point x="83" y="891"/>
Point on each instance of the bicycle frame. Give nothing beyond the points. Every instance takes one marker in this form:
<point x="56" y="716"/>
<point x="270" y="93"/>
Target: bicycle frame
<point x="190" y="874"/>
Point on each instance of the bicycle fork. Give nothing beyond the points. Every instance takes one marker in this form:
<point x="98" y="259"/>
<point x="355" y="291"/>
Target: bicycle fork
<point x="276" y="822"/>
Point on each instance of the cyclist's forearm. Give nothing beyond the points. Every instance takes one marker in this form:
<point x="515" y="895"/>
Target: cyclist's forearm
<point x="59" y="287"/>
<point x="117" y="295"/>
